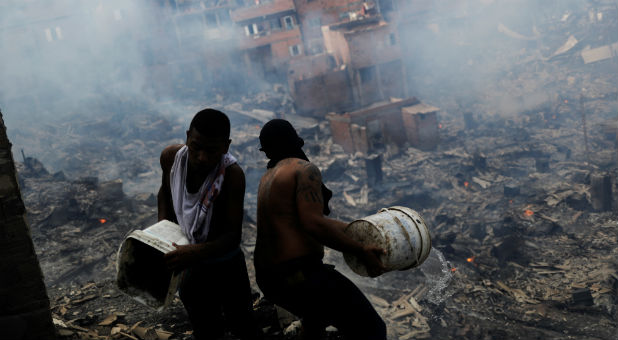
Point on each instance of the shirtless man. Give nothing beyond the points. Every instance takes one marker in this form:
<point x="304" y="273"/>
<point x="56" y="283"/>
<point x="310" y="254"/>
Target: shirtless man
<point x="292" y="233"/>
<point x="203" y="191"/>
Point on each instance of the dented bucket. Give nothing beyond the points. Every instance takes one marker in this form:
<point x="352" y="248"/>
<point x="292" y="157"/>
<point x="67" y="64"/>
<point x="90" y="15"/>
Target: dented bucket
<point x="400" y="231"/>
<point x="140" y="270"/>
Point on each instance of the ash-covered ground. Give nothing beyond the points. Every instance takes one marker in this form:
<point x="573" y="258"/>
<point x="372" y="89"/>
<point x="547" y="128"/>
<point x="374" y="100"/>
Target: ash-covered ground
<point x="521" y="248"/>
<point x="519" y="251"/>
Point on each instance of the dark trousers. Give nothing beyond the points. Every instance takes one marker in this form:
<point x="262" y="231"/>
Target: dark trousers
<point x="217" y="295"/>
<point x="322" y="296"/>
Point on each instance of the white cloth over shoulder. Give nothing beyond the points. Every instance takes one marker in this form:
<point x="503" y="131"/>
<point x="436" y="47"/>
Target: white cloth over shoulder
<point x="194" y="211"/>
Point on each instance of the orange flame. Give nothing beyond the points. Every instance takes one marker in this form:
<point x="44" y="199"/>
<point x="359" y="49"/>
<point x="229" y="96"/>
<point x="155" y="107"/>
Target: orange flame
<point x="102" y="220"/>
<point x="470" y="259"/>
<point x="528" y="212"/>
<point x="453" y="269"/>
<point x="466" y="184"/>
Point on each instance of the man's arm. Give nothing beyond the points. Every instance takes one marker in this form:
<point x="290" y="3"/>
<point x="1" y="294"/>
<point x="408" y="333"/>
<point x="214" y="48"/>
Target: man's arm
<point x="232" y="210"/>
<point x="330" y="232"/>
<point x="231" y="207"/>
<point x="164" y="197"/>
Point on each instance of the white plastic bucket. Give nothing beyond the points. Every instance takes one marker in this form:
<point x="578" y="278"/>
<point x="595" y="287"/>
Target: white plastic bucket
<point x="400" y="231"/>
<point x="140" y="270"/>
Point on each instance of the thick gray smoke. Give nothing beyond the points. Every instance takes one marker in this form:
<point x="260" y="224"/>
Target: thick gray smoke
<point x="64" y="57"/>
<point x="65" y="60"/>
<point x="503" y="54"/>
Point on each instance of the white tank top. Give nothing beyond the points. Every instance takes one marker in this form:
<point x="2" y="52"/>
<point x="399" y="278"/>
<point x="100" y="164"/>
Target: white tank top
<point x="194" y="211"/>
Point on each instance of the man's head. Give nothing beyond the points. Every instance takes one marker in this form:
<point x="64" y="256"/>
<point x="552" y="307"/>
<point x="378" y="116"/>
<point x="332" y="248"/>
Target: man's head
<point x="279" y="140"/>
<point x="208" y="138"/>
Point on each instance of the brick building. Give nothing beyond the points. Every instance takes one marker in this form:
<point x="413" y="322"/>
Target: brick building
<point x="395" y="122"/>
<point x="313" y="14"/>
<point x="370" y="49"/>
<point x="362" y="65"/>
<point x="24" y="305"/>
<point x="271" y="37"/>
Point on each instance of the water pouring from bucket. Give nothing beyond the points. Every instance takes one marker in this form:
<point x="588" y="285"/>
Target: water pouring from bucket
<point x="400" y="231"/>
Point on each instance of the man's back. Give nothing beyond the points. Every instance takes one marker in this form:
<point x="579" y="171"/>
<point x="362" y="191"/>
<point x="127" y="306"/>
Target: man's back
<point x="281" y="235"/>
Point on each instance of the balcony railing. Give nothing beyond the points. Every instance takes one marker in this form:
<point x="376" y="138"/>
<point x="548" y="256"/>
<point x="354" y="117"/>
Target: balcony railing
<point x="268" y="37"/>
<point x="263" y="9"/>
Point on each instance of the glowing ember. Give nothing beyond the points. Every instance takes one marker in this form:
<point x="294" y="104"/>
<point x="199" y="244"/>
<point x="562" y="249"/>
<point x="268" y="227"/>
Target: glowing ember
<point x="102" y="220"/>
<point x="470" y="259"/>
<point x="466" y="184"/>
<point x="453" y="269"/>
<point x="528" y="212"/>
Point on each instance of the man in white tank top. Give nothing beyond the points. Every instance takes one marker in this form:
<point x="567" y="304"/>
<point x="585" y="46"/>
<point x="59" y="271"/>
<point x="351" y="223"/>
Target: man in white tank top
<point x="203" y="191"/>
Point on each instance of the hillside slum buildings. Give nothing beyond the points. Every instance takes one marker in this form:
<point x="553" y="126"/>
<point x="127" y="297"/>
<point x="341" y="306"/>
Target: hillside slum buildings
<point x="337" y="56"/>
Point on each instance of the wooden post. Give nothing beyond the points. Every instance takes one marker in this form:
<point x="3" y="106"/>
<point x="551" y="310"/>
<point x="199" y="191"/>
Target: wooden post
<point x="581" y="105"/>
<point x="373" y="166"/>
<point x="601" y="191"/>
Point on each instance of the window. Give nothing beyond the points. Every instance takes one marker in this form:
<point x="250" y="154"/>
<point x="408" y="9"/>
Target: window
<point x="275" y="24"/>
<point x="315" y="46"/>
<point x="367" y="74"/>
<point x="289" y="22"/>
<point x="249" y="30"/>
<point x="53" y="34"/>
<point x="211" y="20"/>
<point x="253" y="29"/>
<point x="48" y="35"/>
<point x="315" y="22"/>
<point x="392" y="39"/>
<point x="59" y="33"/>
<point x="294" y="50"/>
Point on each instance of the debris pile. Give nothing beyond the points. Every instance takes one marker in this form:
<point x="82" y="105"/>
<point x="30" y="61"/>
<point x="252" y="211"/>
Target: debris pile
<point x="522" y="247"/>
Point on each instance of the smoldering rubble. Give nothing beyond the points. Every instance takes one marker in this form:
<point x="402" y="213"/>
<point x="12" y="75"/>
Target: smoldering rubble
<point x="522" y="239"/>
<point x="519" y="195"/>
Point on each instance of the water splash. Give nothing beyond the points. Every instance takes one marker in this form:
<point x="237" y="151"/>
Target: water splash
<point x="437" y="271"/>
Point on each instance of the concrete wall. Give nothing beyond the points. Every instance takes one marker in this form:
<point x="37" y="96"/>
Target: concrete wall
<point x="24" y="305"/>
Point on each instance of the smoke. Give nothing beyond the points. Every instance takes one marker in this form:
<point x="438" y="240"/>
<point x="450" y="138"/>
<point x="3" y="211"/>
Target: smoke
<point x="68" y="60"/>
<point x="495" y="54"/>
<point x="67" y="63"/>
<point x="58" y="56"/>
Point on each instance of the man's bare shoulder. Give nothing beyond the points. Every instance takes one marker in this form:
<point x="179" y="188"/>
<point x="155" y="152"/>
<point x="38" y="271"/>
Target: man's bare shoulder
<point x="293" y="163"/>
<point x="234" y="172"/>
<point x="168" y="154"/>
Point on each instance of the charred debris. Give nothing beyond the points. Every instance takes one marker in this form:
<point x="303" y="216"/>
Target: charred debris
<point x="521" y="202"/>
<point x="525" y="221"/>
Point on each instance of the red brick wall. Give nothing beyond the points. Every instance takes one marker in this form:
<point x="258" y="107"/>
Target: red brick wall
<point x="328" y="91"/>
<point x="372" y="46"/>
<point x="340" y="130"/>
<point x="421" y="129"/>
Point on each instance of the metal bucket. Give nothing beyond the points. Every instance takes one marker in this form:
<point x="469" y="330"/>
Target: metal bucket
<point x="400" y="231"/>
<point x="140" y="270"/>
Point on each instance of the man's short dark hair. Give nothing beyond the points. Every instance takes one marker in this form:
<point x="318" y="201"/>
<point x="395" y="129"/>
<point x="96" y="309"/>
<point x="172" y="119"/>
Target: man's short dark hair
<point x="211" y="122"/>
